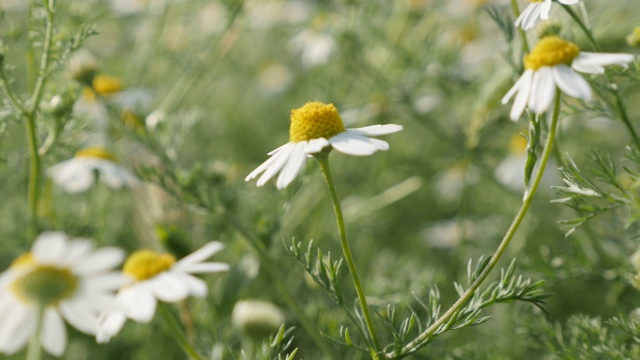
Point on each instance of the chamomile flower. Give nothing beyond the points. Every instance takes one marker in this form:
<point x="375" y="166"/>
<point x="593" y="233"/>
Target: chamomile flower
<point x="156" y="276"/>
<point x="553" y="64"/>
<point x="68" y="279"/>
<point x="538" y="9"/>
<point x="79" y="173"/>
<point x="314" y="127"/>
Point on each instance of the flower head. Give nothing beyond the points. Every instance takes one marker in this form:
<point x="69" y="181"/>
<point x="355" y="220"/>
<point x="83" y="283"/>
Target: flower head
<point x="314" y="127"/>
<point x="69" y="279"/>
<point x="537" y="9"/>
<point x="552" y="64"/>
<point x="78" y="173"/>
<point x="158" y="276"/>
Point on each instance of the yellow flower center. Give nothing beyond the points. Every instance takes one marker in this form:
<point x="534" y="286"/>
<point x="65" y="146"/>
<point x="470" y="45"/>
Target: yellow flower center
<point x="145" y="264"/>
<point x="315" y="120"/>
<point x="551" y="51"/>
<point x="105" y="85"/>
<point x="44" y="284"/>
<point x="95" y="152"/>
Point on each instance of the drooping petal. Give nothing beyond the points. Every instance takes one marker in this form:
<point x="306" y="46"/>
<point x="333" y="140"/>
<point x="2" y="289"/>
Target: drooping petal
<point x="352" y="143"/>
<point x="80" y="315"/>
<point x="202" y="268"/>
<point x="110" y="323"/>
<point x="279" y="161"/>
<point x="197" y="287"/>
<point x="593" y="63"/>
<point x="18" y="323"/>
<point x="295" y="163"/>
<point x="139" y="302"/>
<point x="377" y="130"/>
<point x="545" y="8"/>
<point x="529" y="16"/>
<point x="571" y="83"/>
<point x="168" y="288"/>
<point x="53" y="336"/>
<point x="543" y="89"/>
<point x="523" y="88"/>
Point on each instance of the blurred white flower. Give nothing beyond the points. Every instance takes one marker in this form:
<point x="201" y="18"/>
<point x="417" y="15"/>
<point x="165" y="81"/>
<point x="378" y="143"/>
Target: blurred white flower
<point x="79" y="173"/>
<point x="551" y="65"/>
<point x="315" y="48"/>
<point x="538" y="9"/>
<point x="275" y="78"/>
<point x="257" y="318"/>
<point x="156" y="277"/>
<point x="69" y="279"/>
<point x="314" y="127"/>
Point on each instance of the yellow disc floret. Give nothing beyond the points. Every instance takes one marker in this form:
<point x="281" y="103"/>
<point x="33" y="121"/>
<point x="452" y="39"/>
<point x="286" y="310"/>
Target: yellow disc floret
<point x="145" y="264"/>
<point x="551" y="51"/>
<point x="45" y="284"/>
<point x="95" y="152"/>
<point x="313" y="121"/>
<point x="104" y="84"/>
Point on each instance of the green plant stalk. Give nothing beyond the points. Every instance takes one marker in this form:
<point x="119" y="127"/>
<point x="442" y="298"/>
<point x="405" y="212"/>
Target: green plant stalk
<point x="177" y="333"/>
<point x="276" y="278"/>
<point x="622" y="111"/>
<point x="34" y="351"/>
<point x="526" y="203"/>
<point x="323" y="159"/>
<point x="523" y="34"/>
<point x="29" y="117"/>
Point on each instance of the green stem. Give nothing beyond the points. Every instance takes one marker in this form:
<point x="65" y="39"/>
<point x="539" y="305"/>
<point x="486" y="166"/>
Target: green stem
<point x="177" y="332"/>
<point x="523" y="34"/>
<point x="34" y="351"/>
<point x="323" y="159"/>
<point x="582" y="26"/>
<point x="526" y="203"/>
<point x="29" y="117"/>
<point x="276" y="278"/>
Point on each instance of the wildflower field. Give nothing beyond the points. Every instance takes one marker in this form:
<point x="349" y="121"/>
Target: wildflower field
<point x="319" y="179"/>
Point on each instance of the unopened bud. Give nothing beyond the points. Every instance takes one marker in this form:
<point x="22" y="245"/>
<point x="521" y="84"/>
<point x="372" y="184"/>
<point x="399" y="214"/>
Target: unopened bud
<point x="258" y="319"/>
<point x="83" y="67"/>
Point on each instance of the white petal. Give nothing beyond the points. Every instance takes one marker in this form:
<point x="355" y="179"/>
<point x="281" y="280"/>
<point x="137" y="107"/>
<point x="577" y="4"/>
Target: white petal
<point x="168" y="288"/>
<point x="17" y="323"/>
<point x="295" y="163"/>
<point x="101" y="260"/>
<point x="377" y="130"/>
<point x="316" y="145"/>
<point x="592" y="63"/>
<point x="73" y="175"/>
<point x="523" y="88"/>
<point x="116" y="177"/>
<point x="54" y="333"/>
<point x="529" y="16"/>
<point x="265" y="165"/>
<point x="202" y="254"/>
<point x="50" y="247"/>
<point x="568" y="2"/>
<point x="545" y="8"/>
<point x="209" y="267"/>
<point x="108" y="282"/>
<point x="110" y="324"/>
<point x="279" y="160"/>
<point x="77" y="251"/>
<point x="571" y="83"/>
<point x="197" y="287"/>
<point x="139" y="302"/>
<point x="80" y="315"/>
<point x="357" y="145"/>
<point x="543" y="89"/>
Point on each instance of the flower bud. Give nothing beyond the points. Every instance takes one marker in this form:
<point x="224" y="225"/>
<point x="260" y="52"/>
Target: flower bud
<point x="83" y="67"/>
<point x="258" y="319"/>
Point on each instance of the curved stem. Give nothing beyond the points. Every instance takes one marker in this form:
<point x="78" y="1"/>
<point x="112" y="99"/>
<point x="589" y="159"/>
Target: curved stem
<point x="523" y="34"/>
<point x="34" y="351"/>
<point x="526" y="203"/>
<point x="323" y="159"/>
<point x="582" y="26"/>
<point x="177" y="332"/>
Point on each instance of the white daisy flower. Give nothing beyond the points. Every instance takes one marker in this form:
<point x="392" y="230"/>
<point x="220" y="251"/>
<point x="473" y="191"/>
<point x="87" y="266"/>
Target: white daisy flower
<point x="69" y="279"/>
<point x="553" y="64"/>
<point x="314" y="127"/>
<point x="538" y="9"/>
<point x="79" y="173"/>
<point x="156" y="277"/>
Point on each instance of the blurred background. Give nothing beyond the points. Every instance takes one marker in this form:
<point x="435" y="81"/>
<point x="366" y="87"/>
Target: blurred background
<point x="209" y="86"/>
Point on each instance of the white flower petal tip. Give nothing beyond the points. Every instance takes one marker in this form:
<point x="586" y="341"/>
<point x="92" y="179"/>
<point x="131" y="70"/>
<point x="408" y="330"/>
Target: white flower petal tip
<point x="55" y="256"/>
